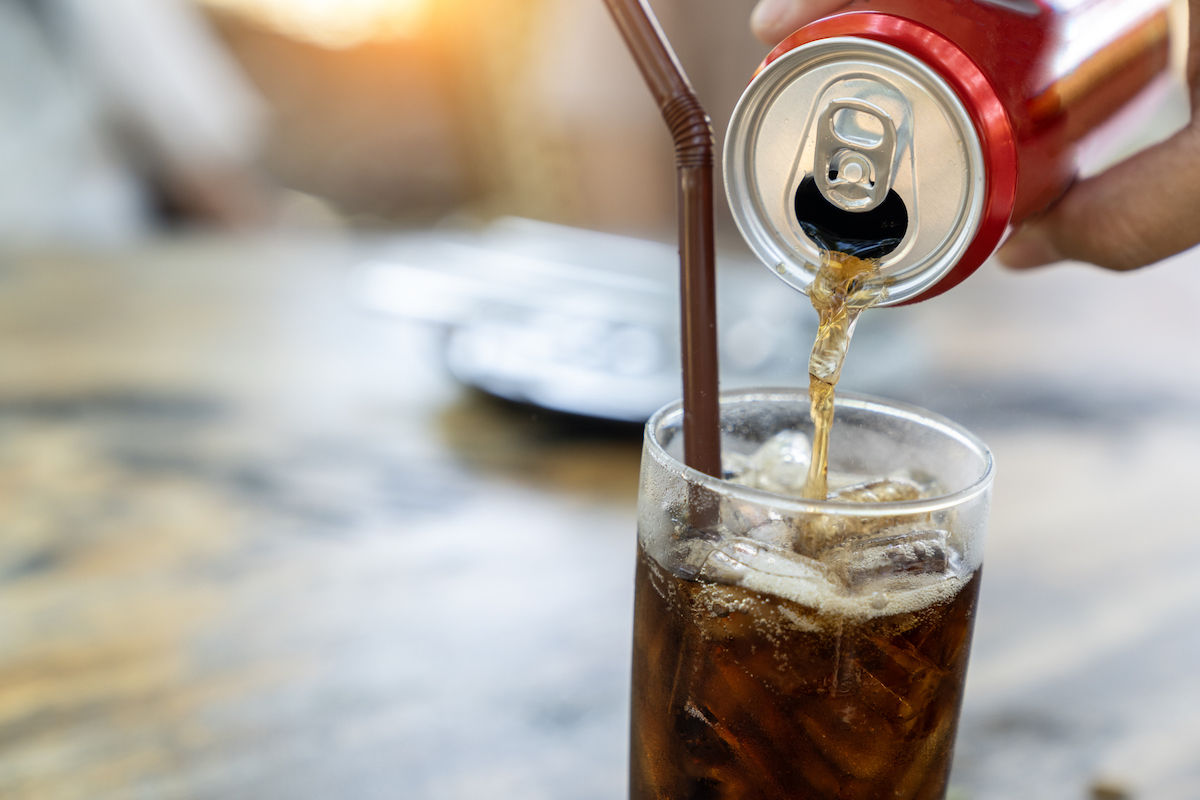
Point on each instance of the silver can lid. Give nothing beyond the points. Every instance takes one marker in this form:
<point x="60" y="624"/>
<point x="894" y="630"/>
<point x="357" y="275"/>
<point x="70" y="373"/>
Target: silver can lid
<point x="847" y="138"/>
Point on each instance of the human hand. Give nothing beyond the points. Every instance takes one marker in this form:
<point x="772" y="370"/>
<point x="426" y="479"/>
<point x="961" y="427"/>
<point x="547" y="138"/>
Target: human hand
<point x="1139" y="211"/>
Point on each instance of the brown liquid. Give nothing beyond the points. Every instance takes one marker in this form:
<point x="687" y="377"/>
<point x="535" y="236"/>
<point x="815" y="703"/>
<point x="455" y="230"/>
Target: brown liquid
<point x="739" y="695"/>
<point x="842" y="288"/>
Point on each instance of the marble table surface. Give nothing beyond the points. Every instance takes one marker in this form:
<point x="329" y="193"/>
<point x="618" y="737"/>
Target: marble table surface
<point x="255" y="544"/>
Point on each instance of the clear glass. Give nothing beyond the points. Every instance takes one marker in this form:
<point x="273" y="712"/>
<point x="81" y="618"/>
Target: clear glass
<point x="786" y="648"/>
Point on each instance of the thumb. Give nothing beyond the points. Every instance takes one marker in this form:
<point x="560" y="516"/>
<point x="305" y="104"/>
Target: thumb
<point x="1136" y="213"/>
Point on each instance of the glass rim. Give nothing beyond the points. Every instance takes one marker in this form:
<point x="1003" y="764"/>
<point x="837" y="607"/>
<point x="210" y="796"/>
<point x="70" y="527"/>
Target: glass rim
<point x="673" y="412"/>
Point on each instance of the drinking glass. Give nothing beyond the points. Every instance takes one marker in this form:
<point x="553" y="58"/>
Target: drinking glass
<point x="791" y="648"/>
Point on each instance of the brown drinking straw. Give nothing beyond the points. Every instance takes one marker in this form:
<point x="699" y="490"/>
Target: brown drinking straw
<point x="692" y="131"/>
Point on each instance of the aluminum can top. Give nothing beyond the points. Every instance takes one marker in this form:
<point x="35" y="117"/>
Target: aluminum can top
<point x="855" y="141"/>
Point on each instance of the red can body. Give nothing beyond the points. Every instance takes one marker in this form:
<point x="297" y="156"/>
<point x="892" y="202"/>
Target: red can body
<point x="1037" y="77"/>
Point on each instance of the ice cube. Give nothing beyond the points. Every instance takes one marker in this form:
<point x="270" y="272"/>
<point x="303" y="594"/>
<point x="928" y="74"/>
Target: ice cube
<point x="901" y="681"/>
<point x="720" y="567"/>
<point x="816" y="533"/>
<point x="733" y="464"/>
<point x="920" y="552"/>
<point x="732" y="560"/>
<point x="779" y="465"/>
<point x="739" y="519"/>
<point x="737" y="516"/>
<point x="777" y="533"/>
<point x="702" y="735"/>
<point x="888" y="490"/>
<point x="688" y="557"/>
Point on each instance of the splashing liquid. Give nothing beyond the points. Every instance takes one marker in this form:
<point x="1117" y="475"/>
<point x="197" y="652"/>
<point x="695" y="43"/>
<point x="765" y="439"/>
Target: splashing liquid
<point x="847" y="283"/>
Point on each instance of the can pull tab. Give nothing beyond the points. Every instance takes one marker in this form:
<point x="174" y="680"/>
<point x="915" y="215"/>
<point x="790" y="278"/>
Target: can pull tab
<point x="855" y="151"/>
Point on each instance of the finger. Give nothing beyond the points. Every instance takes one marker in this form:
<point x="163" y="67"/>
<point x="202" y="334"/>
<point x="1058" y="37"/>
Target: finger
<point x="1140" y="211"/>
<point x="772" y="20"/>
<point x="1136" y="213"/>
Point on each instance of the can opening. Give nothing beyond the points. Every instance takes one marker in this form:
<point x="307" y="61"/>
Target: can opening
<point x="866" y="234"/>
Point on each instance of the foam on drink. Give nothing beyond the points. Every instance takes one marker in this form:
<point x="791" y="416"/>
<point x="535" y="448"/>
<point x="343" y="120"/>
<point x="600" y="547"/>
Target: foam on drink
<point x="843" y="568"/>
<point x="835" y="605"/>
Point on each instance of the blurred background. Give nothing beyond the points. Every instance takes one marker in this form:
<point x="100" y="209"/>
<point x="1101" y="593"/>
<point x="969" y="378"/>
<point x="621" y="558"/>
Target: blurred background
<point x="384" y="112"/>
<point x="326" y="332"/>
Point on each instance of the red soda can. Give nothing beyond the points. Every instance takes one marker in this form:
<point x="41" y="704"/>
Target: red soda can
<point x="920" y="132"/>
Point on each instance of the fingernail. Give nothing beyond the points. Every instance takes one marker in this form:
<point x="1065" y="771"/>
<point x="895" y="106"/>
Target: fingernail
<point x="1030" y="247"/>
<point x="767" y="15"/>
